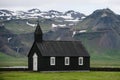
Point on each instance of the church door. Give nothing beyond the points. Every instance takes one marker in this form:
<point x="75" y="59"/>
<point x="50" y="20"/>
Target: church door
<point x="35" y="62"/>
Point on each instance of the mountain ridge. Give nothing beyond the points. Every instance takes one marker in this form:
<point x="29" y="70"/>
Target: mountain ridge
<point x="99" y="31"/>
<point x="36" y="13"/>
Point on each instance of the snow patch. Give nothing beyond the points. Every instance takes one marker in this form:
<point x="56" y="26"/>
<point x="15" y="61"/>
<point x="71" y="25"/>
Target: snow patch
<point x="33" y="25"/>
<point x="82" y="31"/>
<point x="5" y="14"/>
<point x="58" y="25"/>
<point x="9" y="39"/>
<point x="83" y="17"/>
<point x="73" y="20"/>
<point x="66" y="17"/>
<point x="104" y="15"/>
<point x="53" y="26"/>
<point x="71" y="24"/>
<point x="74" y="32"/>
<point x="47" y="17"/>
<point x="9" y="18"/>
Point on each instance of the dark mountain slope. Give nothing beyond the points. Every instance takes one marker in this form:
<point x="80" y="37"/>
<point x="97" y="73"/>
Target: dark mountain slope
<point x="106" y="24"/>
<point x="10" y="43"/>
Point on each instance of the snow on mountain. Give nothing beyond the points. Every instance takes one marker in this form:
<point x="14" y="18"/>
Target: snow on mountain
<point x="35" y="10"/>
<point x="30" y="24"/>
<point x="53" y="12"/>
<point x="78" y="32"/>
<point x="9" y="38"/>
<point x="58" y="25"/>
<point x="67" y="17"/>
<point x="83" y="17"/>
<point x="74" y="14"/>
<point x="8" y="18"/>
<point x="5" y="13"/>
<point x="104" y="15"/>
<point x="36" y="13"/>
<point x="73" y="20"/>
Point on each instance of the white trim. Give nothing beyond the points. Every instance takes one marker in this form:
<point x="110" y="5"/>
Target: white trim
<point x="35" y="62"/>
<point x="67" y="61"/>
<point x="80" y="61"/>
<point x="52" y="60"/>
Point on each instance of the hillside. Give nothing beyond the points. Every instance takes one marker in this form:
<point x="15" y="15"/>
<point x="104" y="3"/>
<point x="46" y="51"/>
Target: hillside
<point x="102" y="31"/>
<point x="11" y="44"/>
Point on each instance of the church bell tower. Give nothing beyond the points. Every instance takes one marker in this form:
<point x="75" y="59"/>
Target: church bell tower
<point x="38" y="35"/>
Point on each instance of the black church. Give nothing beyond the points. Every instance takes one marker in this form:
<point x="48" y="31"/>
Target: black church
<point x="57" y="55"/>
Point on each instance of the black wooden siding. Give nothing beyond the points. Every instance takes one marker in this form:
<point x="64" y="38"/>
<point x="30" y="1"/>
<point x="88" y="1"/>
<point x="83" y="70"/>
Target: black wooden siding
<point x="60" y="64"/>
<point x="44" y="62"/>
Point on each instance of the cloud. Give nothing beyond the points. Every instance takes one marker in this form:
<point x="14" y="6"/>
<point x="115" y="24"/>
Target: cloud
<point x="85" y="6"/>
<point x="4" y="3"/>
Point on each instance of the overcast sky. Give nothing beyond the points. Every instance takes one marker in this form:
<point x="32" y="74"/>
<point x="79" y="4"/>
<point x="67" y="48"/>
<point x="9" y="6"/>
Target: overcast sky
<point x="84" y="6"/>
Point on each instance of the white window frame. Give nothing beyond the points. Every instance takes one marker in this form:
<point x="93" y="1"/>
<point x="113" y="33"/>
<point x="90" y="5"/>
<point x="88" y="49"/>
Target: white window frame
<point x="80" y="61"/>
<point x="52" y="60"/>
<point x="67" y="58"/>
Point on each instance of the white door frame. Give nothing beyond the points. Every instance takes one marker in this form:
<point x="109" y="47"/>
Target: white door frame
<point x="35" y="62"/>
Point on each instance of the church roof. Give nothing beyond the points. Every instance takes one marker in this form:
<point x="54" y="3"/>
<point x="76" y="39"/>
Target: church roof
<point x="62" y="48"/>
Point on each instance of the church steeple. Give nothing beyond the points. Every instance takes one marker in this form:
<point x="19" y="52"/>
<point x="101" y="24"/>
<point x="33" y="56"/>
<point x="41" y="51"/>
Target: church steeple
<point x="38" y="35"/>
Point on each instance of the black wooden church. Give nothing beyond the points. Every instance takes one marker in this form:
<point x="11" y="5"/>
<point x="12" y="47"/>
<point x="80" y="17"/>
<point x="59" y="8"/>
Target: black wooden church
<point x="57" y="55"/>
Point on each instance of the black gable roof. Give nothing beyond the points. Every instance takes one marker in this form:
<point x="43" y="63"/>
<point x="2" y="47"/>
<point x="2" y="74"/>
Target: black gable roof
<point x="62" y="48"/>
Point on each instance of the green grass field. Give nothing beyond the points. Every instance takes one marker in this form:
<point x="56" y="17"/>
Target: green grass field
<point x="6" y="61"/>
<point x="104" y="60"/>
<point x="59" y="75"/>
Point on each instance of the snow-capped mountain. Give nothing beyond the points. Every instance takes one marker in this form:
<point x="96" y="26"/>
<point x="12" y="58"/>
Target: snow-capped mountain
<point x="54" y="12"/>
<point x="74" y="14"/>
<point x="5" y="13"/>
<point x="36" y="13"/>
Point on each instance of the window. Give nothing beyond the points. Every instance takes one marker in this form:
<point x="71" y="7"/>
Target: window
<point x="67" y="61"/>
<point x="80" y="61"/>
<point x="52" y="60"/>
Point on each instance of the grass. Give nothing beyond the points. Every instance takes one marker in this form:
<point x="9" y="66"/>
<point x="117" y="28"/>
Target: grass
<point x="97" y="60"/>
<point x="59" y="75"/>
<point x="104" y="60"/>
<point x="102" y="63"/>
<point x="6" y="61"/>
